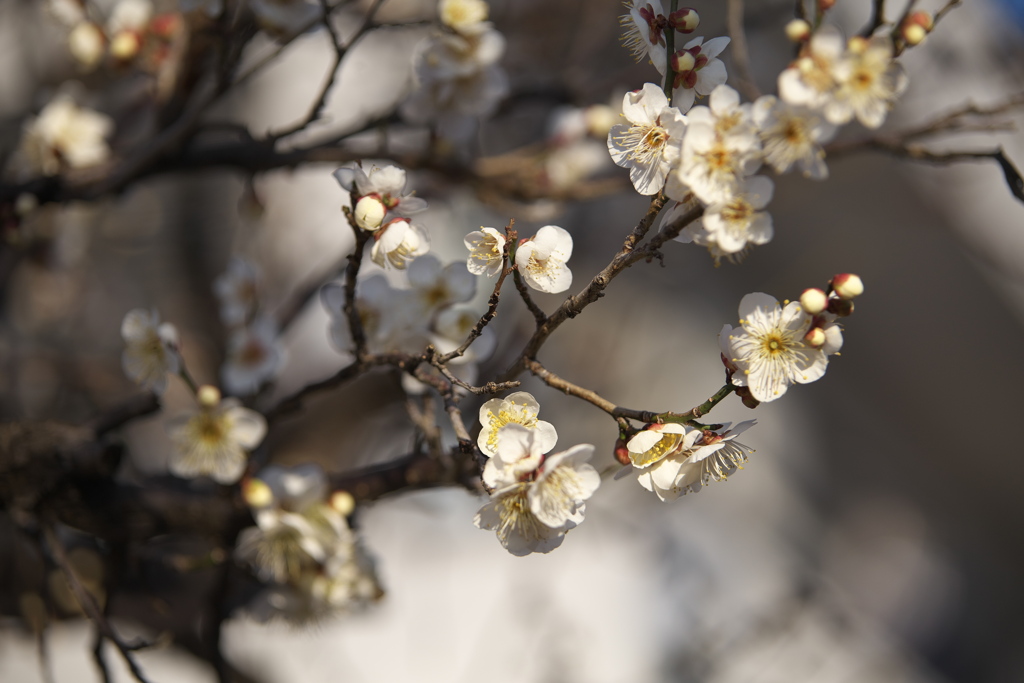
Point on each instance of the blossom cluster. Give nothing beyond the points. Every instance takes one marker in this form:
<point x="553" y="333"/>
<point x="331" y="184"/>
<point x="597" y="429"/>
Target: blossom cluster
<point x="303" y="547"/>
<point x="536" y="496"/>
<point x="458" y="78"/>
<point x="707" y="155"/>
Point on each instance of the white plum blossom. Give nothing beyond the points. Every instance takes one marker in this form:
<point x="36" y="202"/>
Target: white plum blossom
<point x="215" y="439"/>
<point x="390" y="318"/>
<point x="792" y="136"/>
<point x="810" y="81"/>
<point x="713" y="164"/>
<point x="237" y="291"/>
<point x="644" y="27"/>
<point x="254" y="355"/>
<point x="87" y="44"/>
<point x="699" y="73"/>
<point x="869" y="80"/>
<point x="435" y="287"/>
<point x="458" y="80"/>
<point x="725" y="114"/>
<point x="730" y="226"/>
<point x="542" y="260"/>
<point x="547" y="499"/>
<point x="151" y="349"/>
<point x="486" y="251"/>
<point x="519" y="408"/>
<point x="648" y="146"/>
<point x="398" y="243"/>
<point x="378" y="192"/>
<point x="65" y="135"/>
<point x="303" y="543"/>
<point x="676" y="459"/>
<point x="129" y="15"/>
<point x="769" y="349"/>
<point x="455" y="323"/>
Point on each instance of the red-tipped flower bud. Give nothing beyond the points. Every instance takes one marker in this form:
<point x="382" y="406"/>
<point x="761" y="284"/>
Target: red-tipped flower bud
<point x="814" y="301"/>
<point x="683" y="62"/>
<point x="621" y="452"/>
<point x="684" y="20"/>
<point x="847" y="285"/>
<point x="825" y="5"/>
<point x="916" y="27"/>
<point x="815" y="337"/>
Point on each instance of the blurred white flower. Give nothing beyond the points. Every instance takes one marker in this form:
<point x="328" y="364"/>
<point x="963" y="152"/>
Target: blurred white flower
<point x="542" y="260"/>
<point x="769" y="349"/>
<point x="237" y="290"/>
<point x="254" y="355"/>
<point x="151" y="349"/>
<point x="792" y="136"/>
<point x="390" y="318"/>
<point x="436" y="287"/>
<point x="214" y="440"/>
<point x="87" y="44"/>
<point x="869" y="80"/>
<point x="464" y="16"/>
<point x="66" y="135"/>
<point x="486" y="251"/>
<point x="810" y="81"/>
<point x="648" y="146"/>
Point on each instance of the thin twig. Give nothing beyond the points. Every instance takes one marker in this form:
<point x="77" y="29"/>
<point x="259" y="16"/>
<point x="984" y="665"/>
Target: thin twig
<point x="524" y="293"/>
<point x="877" y="18"/>
<point x="567" y="387"/>
<point x="88" y="603"/>
<point x="340" y="51"/>
<point x="738" y="48"/>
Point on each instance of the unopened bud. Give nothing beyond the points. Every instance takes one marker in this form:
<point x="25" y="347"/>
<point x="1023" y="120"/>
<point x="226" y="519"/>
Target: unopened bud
<point x="125" y="45"/>
<point x="343" y="503"/>
<point x="857" y="45"/>
<point x="370" y="212"/>
<point x="922" y="19"/>
<point x="813" y="301"/>
<point x="684" y="20"/>
<point x="208" y="396"/>
<point x="841" y="307"/>
<point x="847" y="285"/>
<point x="87" y="43"/>
<point x="798" y="30"/>
<point x="747" y="398"/>
<point x="913" y="34"/>
<point x="621" y="452"/>
<point x="825" y="5"/>
<point x="815" y="337"/>
<point x="683" y="62"/>
<point x="257" y="494"/>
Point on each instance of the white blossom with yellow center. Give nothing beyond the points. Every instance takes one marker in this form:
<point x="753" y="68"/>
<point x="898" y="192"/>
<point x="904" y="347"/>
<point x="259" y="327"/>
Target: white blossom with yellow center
<point x="214" y="440"/>
<point x="868" y="82"/>
<point x="649" y="145"/>
<point x="731" y="226"/>
<point x="519" y="408"/>
<point x="769" y="350"/>
<point x="66" y="135"/>
<point x="486" y="251"/>
<point x="398" y="243"/>
<point x="151" y="349"/>
<point x="542" y="259"/>
<point x="792" y="136"/>
<point x="533" y="514"/>
<point x="676" y="459"/>
<point x="810" y="81"/>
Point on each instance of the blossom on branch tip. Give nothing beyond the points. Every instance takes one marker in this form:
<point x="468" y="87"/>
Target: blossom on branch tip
<point x="65" y="135"/>
<point x="676" y="459"/>
<point x="519" y="408"/>
<point x="486" y="251"/>
<point x="542" y="260"/>
<point x="214" y="440"/>
<point x="151" y="349"/>
<point x="792" y="136"/>
<point x="649" y="145"/>
<point x="769" y="349"/>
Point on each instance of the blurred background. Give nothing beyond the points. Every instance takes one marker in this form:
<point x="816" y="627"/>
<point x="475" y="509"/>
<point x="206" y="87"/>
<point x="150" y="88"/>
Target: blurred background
<point x="877" y="533"/>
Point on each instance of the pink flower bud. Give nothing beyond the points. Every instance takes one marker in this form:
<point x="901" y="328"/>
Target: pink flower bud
<point x="621" y="452"/>
<point x="684" y="20"/>
<point x="815" y="337"/>
<point x="798" y="30"/>
<point x="814" y="301"/>
<point x="847" y="285"/>
<point x="825" y="5"/>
